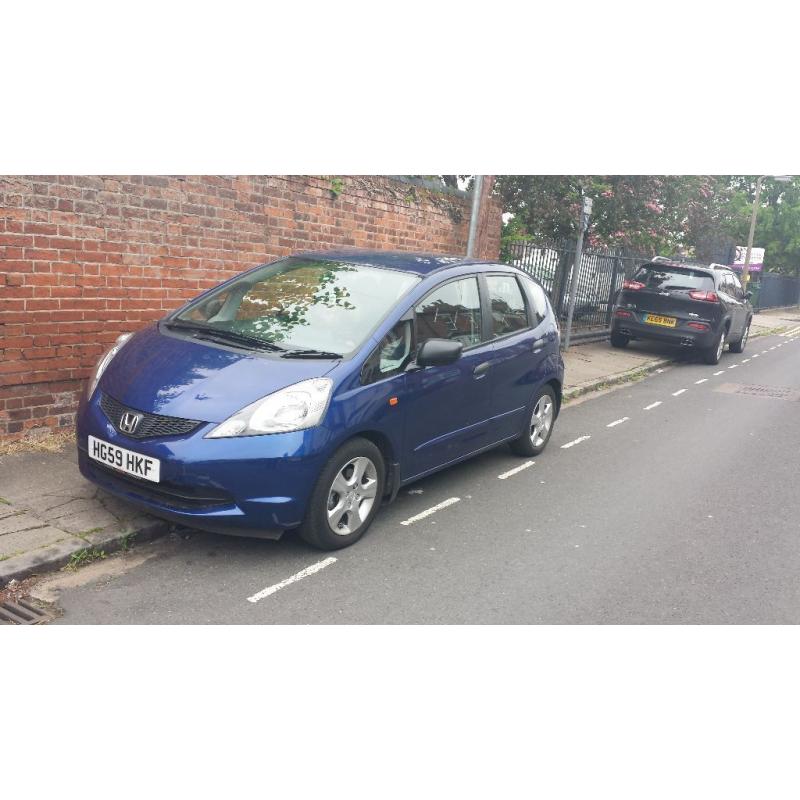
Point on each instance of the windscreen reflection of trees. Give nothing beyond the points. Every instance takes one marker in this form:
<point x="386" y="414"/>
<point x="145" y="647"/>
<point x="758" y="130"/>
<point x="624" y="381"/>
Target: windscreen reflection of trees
<point x="277" y="306"/>
<point x="274" y="308"/>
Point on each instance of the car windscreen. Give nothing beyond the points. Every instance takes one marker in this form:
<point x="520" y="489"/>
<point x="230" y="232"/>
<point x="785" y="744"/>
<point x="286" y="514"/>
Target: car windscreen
<point x="673" y="278"/>
<point x="303" y="304"/>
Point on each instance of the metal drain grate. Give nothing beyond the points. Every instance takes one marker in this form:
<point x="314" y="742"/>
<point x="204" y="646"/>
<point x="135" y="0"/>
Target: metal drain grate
<point x="757" y="390"/>
<point x="22" y="613"/>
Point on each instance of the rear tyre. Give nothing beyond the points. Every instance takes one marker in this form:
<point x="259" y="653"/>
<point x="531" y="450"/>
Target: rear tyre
<point x="619" y="339"/>
<point x="738" y="347"/>
<point x="538" y="426"/>
<point x="713" y="354"/>
<point x="346" y="497"/>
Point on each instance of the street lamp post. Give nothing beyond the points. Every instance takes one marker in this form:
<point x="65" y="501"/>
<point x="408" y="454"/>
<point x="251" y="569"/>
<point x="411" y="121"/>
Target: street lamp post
<point x="756" y="201"/>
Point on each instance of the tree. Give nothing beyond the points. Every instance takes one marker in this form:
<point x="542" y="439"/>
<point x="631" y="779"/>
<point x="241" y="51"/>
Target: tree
<point x="650" y="213"/>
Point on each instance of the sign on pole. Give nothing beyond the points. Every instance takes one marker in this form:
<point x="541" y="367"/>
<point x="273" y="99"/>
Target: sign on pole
<point x="756" y="259"/>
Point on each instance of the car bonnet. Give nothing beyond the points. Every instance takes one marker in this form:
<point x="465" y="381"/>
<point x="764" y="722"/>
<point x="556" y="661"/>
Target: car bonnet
<point x="180" y="377"/>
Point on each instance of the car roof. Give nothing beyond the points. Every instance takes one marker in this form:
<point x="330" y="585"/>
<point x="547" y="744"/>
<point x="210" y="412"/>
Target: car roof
<point x="419" y="263"/>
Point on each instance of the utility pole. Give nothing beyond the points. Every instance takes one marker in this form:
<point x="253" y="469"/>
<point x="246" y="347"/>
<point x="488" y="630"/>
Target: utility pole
<point x="746" y="267"/>
<point x="477" y="191"/>
<point x="756" y="203"/>
<point x="586" y="212"/>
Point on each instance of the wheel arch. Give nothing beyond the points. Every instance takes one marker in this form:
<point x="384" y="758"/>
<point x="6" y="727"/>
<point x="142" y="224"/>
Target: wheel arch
<point x="555" y="383"/>
<point x="390" y="458"/>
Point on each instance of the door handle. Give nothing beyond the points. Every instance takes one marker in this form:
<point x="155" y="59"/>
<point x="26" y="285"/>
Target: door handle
<point x="539" y="344"/>
<point x="481" y="370"/>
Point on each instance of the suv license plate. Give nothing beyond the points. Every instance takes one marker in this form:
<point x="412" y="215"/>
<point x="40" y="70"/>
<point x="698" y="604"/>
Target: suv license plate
<point x="125" y="460"/>
<point x="655" y="319"/>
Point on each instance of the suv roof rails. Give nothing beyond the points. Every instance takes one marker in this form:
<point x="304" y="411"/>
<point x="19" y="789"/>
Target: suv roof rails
<point x="713" y="265"/>
<point x="660" y="260"/>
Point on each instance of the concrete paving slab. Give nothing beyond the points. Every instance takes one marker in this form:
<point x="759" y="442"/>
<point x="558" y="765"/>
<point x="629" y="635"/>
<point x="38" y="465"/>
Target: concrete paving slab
<point x="30" y="539"/>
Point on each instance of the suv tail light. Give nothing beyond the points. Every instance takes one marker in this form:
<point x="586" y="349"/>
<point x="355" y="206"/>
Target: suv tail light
<point x="635" y="285"/>
<point x="621" y="312"/>
<point x="710" y="297"/>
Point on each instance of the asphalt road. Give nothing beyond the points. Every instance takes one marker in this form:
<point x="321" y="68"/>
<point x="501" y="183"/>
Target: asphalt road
<point x="687" y="510"/>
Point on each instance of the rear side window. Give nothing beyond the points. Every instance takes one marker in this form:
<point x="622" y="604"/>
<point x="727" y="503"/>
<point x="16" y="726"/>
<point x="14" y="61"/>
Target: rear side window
<point x="507" y="305"/>
<point x="452" y="311"/>
<point x="673" y="279"/>
<point x="538" y="302"/>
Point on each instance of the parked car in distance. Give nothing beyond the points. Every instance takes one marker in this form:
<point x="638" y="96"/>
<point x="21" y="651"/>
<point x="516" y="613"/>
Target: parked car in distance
<point x="683" y="304"/>
<point x="304" y="393"/>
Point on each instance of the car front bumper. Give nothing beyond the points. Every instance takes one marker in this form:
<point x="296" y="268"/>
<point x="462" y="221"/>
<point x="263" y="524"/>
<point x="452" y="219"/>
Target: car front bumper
<point x="250" y="485"/>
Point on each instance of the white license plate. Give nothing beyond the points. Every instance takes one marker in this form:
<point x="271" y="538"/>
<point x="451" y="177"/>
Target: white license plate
<point x="125" y="460"/>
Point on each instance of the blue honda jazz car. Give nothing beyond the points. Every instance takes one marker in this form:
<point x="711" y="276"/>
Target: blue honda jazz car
<point x="304" y="393"/>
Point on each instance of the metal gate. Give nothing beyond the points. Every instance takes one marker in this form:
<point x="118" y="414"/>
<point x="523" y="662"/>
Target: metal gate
<point x="599" y="280"/>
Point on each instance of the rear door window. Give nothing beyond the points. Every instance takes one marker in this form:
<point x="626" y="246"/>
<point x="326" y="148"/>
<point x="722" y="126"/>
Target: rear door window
<point x="507" y="305"/>
<point x="667" y="279"/>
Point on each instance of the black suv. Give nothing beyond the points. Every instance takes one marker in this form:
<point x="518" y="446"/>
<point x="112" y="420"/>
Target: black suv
<point x="685" y="304"/>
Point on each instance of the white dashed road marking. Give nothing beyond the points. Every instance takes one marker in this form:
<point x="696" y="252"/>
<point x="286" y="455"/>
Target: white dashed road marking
<point x="617" y="422"/>
<point x="745" y="360"/>
<point x="298" y="576"/>
<point x="652" y="406"/>
<point x="720" y="372"/>
<point x="702" y="380"/>
<point x="755" y="355"/>
<point x="680" y="391"/>
<point x="574" y="442"/>
<point x="733" y="366"/>
<point x="432" y="510"/>
<point x="516" y="470"/>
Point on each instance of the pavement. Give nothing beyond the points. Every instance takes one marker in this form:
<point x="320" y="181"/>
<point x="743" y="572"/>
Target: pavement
<point x="50" y="517"/>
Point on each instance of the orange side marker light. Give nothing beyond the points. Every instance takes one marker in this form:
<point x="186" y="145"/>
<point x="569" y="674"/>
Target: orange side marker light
<point x="393" y="401"/>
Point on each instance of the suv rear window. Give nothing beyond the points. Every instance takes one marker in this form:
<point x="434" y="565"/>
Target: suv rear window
<point x="665" y="278"/>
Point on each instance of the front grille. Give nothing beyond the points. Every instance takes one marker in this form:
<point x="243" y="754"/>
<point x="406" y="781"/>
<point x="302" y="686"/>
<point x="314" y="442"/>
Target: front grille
<point x="150" y="425"/>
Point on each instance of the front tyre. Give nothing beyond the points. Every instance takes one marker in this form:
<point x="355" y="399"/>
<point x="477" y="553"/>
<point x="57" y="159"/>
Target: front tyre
<point x="346" y="497"/>
<point x="539" y="426"/>
<point x="619" y="339"/>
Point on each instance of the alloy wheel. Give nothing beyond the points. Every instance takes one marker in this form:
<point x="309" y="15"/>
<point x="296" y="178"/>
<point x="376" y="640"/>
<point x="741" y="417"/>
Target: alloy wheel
<point x="352" y="496"/>
<point x="542" y="420"/>
<point x="721" y="345"/>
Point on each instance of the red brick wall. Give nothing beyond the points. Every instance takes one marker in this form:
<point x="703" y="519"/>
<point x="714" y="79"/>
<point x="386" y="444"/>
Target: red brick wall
<point x="85" y="258"/>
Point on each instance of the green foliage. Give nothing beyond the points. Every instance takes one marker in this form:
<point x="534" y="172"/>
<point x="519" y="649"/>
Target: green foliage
<point x="126" y="542"/>
<point x="697" y="215"/>
<point x="84" y="557"/>
<point x="337" y="187"/>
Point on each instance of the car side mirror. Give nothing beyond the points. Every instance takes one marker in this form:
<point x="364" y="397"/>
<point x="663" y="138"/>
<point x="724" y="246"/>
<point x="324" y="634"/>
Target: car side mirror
<point x="439" y="352"/>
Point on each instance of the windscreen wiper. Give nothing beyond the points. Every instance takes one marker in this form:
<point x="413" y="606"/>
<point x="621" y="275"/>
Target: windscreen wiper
<point x="221" y="335"/>
<point x="309" y="354"/>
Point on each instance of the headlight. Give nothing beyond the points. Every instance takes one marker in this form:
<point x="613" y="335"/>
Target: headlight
<point x="104" y="362"/>
<point x="291" y="409"/>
